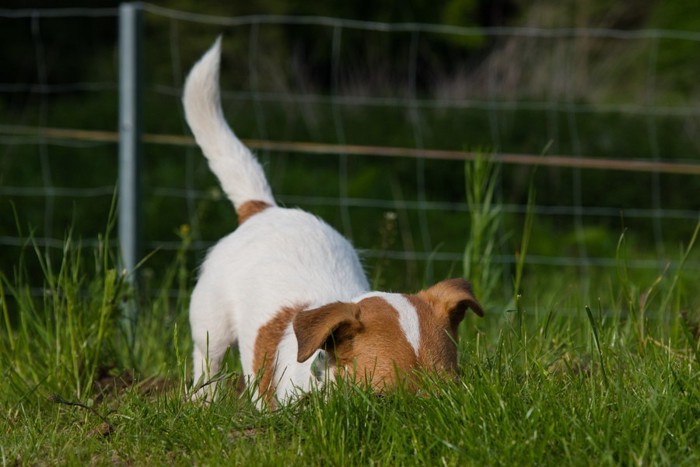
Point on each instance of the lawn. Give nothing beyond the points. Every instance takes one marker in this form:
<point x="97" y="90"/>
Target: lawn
<point x="95" y="372"/>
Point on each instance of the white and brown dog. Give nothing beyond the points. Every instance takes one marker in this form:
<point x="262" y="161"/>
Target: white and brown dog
<point x="290" y="290"/>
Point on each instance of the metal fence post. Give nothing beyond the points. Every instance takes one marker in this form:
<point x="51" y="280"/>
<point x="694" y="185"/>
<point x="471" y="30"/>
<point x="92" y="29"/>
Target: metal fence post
<point x="129" y="134"/>
<point x="129" y="150"/>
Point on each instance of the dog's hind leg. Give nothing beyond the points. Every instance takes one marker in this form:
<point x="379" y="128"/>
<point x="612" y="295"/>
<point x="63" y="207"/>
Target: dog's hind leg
<point x="213" y="332"/>
<point x="207" y="365"/>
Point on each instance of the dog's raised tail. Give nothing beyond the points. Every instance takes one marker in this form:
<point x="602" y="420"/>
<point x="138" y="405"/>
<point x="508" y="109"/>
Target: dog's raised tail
<point x="240" y="174"/>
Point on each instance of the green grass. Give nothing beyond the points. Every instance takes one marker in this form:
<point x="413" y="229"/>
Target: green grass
<point x="562" y="379"/>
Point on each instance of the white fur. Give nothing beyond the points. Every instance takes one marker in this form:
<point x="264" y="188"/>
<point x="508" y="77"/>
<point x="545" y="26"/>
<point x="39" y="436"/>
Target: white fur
<point x="239" y="172"/>
<point x="275" y="259"/>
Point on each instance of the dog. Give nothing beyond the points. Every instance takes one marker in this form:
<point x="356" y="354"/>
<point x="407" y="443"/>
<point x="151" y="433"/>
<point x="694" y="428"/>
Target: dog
<point x="291" y="292"/>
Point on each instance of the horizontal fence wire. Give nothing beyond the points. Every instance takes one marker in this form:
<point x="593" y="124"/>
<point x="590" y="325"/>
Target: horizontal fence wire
<point x="375" y="203"/>
<point x="530" y="160"/>
<point x="564" y="112"/>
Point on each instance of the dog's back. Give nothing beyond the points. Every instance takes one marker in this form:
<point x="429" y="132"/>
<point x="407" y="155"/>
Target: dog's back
<point x="277" y="259"/>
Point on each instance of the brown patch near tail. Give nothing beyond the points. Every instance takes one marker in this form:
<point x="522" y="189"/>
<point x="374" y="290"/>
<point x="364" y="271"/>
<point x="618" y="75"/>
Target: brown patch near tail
<point x="265" y="352"/>
<point x="250" y="208"/>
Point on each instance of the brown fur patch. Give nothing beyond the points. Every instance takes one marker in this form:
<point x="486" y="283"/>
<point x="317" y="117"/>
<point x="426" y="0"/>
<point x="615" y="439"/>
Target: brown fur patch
<point x="250" y="208"/>
<point x="437" y="348"/>
<point x="378" y="349"/>
<point x="367" y="343"/>
<point x="265" y="352"/>
<point x="452" y="297"/>
<point x="440" y="309"/>
<point x="321" y="327"/>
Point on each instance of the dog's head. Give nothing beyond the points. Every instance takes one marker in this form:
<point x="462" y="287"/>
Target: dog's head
<point x="379" y="338"/>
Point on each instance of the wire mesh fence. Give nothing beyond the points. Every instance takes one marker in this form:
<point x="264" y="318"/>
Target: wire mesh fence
<point x="367" y="124"/>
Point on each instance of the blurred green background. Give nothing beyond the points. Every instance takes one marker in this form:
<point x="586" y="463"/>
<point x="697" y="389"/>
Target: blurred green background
<point x="593" y="78"/>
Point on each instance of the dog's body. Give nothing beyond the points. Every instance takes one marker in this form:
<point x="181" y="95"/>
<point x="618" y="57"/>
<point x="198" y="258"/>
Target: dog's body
<point x="290" y="290"/>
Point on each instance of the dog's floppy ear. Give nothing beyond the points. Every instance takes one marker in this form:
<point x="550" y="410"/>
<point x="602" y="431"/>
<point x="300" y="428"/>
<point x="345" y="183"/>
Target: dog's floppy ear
<point x="323" y="327"/>
<point x="452" y="297"/>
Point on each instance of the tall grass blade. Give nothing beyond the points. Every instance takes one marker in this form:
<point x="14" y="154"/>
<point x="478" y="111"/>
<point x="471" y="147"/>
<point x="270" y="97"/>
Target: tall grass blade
<point x="6" y="316"/>
<point x="485" y="219"/>
<point x="596" y="338"/>
<point x="525" y="239"/>
<point x="679" y="270"/>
